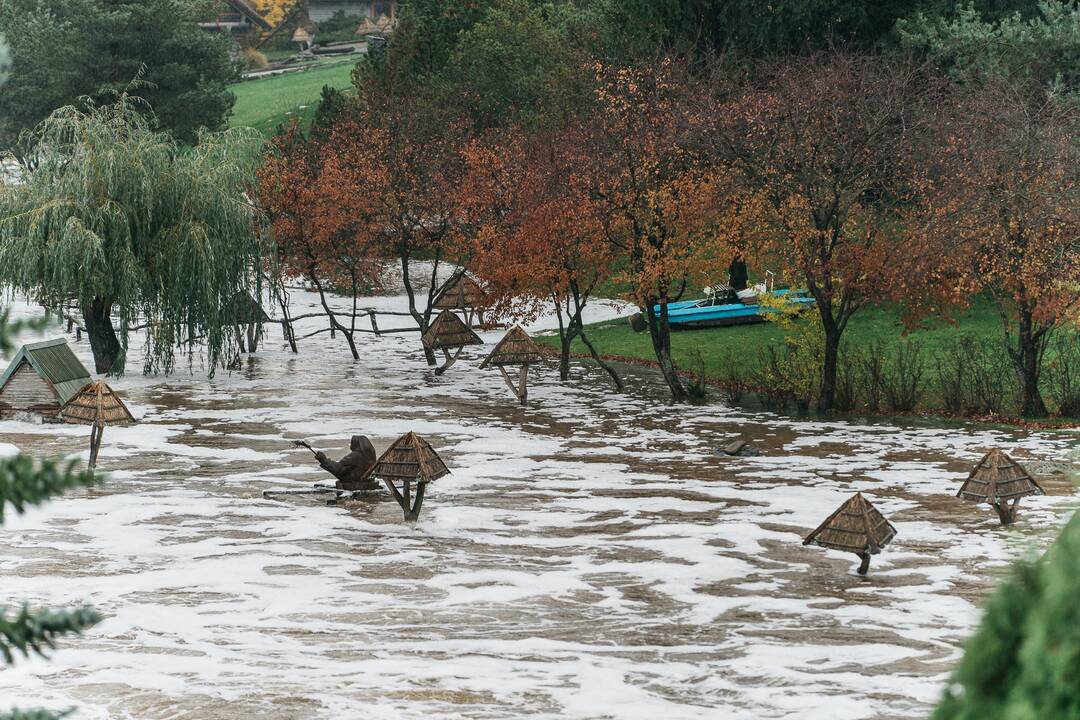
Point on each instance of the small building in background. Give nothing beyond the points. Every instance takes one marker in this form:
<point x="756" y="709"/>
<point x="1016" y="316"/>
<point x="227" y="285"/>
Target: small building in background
<point x="322" y="10"/>
<point x="237" y="17"/>
<point x="41" y="379"/>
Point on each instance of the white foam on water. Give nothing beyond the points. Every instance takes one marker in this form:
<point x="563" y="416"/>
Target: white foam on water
<point x="591" y="556"/>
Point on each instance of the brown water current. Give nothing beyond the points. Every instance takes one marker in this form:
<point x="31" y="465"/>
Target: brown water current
<point x="592" y="556"/>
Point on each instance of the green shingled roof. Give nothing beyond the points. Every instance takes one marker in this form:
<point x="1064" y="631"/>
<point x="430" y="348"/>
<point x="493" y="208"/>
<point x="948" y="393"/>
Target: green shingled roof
<point x="54" y="361"/>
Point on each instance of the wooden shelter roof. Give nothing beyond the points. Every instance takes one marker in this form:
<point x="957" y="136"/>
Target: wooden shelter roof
<point x="449" y="331"/>
<point x="55" y="363"/>
<point x="411" y="458"/>
<point x="248" y="10"/>
<point x="856" y="526"/>
<point x="997" y="478"/>
<point x="301" y="35"/>
<point x="243" y="309"/>
<point x="515" y="348"/>
<point x="97" y="404"/>
<point x="459" y="293"/>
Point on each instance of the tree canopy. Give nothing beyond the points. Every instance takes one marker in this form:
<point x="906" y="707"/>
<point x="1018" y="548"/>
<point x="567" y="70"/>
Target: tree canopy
<point x="65" y="49"/>
<point x="127" y="223"/>
<point x="1041" y="49"/>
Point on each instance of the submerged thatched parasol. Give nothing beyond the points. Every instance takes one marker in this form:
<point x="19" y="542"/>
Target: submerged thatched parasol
<point x="410" y="459"/>
<point x="449" y="331"/>
<point x="997" y="479"/>
<point x="856" y="527"/>
<point x="460" y="292"/>
<point x="97" y="404"/>
<point x="515" y="348"/>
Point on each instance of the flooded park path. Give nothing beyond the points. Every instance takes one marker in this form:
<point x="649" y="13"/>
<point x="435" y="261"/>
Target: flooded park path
<point x="592" y="556"/>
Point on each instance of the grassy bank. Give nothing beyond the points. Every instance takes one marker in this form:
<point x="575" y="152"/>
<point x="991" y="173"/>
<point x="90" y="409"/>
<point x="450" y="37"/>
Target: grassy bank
<point x="740" y="356"/>
<point x="268" y="102"/>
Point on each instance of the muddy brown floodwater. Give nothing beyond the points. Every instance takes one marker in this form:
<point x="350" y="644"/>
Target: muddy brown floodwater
<point x="591" y="556"/>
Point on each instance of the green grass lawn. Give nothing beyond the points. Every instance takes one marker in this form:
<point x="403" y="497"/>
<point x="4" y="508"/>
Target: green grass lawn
<point x="266" y="103"/>
<point x="733" y="353"/>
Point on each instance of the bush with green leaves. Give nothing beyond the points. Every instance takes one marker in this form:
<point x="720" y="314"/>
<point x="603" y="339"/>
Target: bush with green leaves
<point x="1022" y="662"/>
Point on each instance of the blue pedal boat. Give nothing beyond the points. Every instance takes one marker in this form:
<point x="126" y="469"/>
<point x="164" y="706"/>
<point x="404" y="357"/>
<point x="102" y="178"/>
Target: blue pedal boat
<point x="706" y="313"/>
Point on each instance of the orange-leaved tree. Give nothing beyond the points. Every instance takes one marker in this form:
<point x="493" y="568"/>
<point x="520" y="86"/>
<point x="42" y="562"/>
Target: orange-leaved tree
<point x="643" y="178"/>
<point x="323" y="231"/>
<point x="532" y="238"/>
<point x="819" y="149"/>
<point x="1000" y="212"/>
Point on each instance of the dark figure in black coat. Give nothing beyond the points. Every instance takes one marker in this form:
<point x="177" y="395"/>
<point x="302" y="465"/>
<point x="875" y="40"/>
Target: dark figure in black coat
<point x="352" y="470"/>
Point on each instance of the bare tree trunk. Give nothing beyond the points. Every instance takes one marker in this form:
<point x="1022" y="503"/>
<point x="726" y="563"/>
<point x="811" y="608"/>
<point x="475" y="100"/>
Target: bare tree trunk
<point x="660" y="334"/>
<point x="830" y="363"/>
<point x="420" y="318"/>
<point x="108" y="353"/>
<point x="334" y="323"/>
<point x="1026" y="358"/>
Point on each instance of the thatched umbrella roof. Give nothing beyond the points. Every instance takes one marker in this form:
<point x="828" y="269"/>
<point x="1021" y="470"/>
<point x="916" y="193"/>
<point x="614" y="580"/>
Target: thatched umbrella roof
<point x="459" y="293"/>
<point x="997" y="478"/>
<point x="515" y="348"/>
<point x="449" y="331"/>
<point x="301" y="35"/>
<point x="410" y="459"/>
<point x="97" y="404"/>
<point x="242" y="309"/>
<point x="856" y="526"/>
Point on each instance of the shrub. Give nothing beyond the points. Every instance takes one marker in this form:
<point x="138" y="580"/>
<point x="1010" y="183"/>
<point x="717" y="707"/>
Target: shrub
<point x="903" y="376"/>
<point x="872" y="374"/>
<point x="974" y="377"/>
<point x="1062" y="374"/>
<point x="848" y="379"/>
<point x="254" y="60"/>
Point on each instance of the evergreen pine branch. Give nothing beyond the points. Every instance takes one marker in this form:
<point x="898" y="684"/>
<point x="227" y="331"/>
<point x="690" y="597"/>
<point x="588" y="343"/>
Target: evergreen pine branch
<point x="24" y="482"/>
<point x="34" y="632"/>
<point x="36" y="714"/>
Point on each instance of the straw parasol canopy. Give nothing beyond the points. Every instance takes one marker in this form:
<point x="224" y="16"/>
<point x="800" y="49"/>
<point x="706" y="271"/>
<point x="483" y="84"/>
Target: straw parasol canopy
<point x="97" y="404"/>
<point x="998" y="478"/>
<point x="411" y="458"/>
<point x="460" y="292"/>
<point x="515" y="348"/>
<point x="301" y="35"/>
<point x="449" y="331"/>
<point x="856" y="526"/>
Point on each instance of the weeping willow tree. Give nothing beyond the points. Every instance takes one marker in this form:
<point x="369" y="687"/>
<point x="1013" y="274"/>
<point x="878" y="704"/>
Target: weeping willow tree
<point x="141" y="232"/>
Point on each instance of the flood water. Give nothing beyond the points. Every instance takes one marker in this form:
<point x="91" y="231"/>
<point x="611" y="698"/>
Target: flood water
<point x="591" y="556"/>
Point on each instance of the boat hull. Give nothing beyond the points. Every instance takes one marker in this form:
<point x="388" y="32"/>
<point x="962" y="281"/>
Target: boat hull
<point x="693" y="315"/>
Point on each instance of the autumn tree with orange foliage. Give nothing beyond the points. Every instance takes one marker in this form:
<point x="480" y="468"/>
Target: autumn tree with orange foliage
<point x="533" y="239"/>
<point x="323" y="231"/>
<point x="1000" y="213"/>
<point x="643" y="178"/>
<point x="819" y="148"/>
<point x="410" y="177"/>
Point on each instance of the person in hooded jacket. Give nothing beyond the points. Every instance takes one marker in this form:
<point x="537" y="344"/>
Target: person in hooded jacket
<point x="352" y="470"/>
